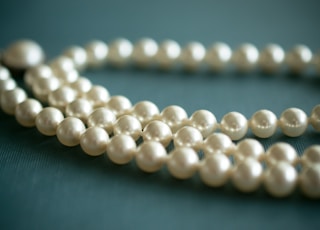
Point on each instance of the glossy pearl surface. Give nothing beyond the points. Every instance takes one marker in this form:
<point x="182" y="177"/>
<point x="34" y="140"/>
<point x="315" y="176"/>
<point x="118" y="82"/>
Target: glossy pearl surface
<point x="281" y="152"/>
<point x="298" y="58"/>
<point x="128" y="125"/>
<point x="204" y="121"/>
<point x="48" y="120"/>
<point x="97" y="53"/>
<point x="120" y="51"/>
<point x="11" y="98"/>
<point x="121" y="149"/>
<point x="188" y="136"/>
<point x="311" y="155"/>
<point x="315" y="118"/>
<point x="245" y="57"/>
<point x="263" y="123"/>
<point x="27" y="111"/>
<point x="218" y="142"/>
<point x="174" y="116"/>
<point x="145" y="111"/>
<point x="249" y="148"/>
<point x="94" y="141"/>
<point x="218" y="56"/>
<point x="310" y="181"/>
<point x="234" y="125"/>
<point x="70" y="130"/>
<point x="144" y="51"/>
<point x="293" y="122"/>
<point x="168" y="53"/>
<point x="192" y="55"/>
<point x="157" y="131"/>
<point x="102" y="117"/>
<point x="271" y="58"/>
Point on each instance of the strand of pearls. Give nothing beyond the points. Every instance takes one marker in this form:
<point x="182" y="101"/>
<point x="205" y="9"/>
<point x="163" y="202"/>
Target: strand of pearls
<point x="85" y="114"/>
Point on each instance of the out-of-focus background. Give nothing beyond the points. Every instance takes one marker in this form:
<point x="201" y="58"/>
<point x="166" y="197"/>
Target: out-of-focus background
<point x="44" y="185"/>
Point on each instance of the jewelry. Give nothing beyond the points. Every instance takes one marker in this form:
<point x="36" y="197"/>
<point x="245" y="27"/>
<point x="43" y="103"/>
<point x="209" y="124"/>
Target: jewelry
<point x="85" y="114"/>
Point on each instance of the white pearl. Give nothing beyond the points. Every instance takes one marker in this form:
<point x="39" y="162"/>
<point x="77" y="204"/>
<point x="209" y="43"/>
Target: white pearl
<point x="119" y="105"/>
<point x="120" y="51"/>
<point x="218" y="56"/>
<point x="204" y="121"/>
<point x="174" y="116"/>
<point x="4" y="73"/>
<point x="235" y="125"/>
<point x="78" y="55"/>
<point x="11" y="98"/>
<point x="70" y="130"/>
<point x="192" y="55"/>
<point x="82" y="85"/>
<point x="247" y="175"/>
<point x="157" y="131"/>
<point x="67" y="76"/>
<point x="102" y="117"/>
<point x="168" y="53"/>
<point x="48" y="120"/>
<point x="7" y="84"/>
<point x="23" y="54"/>
<point x="249" y="148"/>
<point x="151" y="155"/>
<point x="128" y="125"/>
<point x="280" y="180"/>
<point x="97" y="52"/>
<point x="298" y="58"/>
<point x="43" y="86"/>
<point x="98" y="96"/>
<point x="145" y="111"/>
<point x="217" y="142"/>
<point x="62" y="64"/>
<point x="183" y="162"/>
<point x="144" y="52"/>
<point x="188" y="137"/>
<point x="27" y="111"/>
<point x="310" y="181"/>
<point x="121" y="149"/>
<point x="215" y="170"/>
<point x="271" y="58"/>
<point x="281" y="152"/>
<point x="94" y="141"/>
<point x="79" y="108"/>
<point x="245" y="57"/>
<point x="311" y="155"/>
<point x="34" y="73"/>
<point x="293" y="122"/>
<point x="263" y="123"/>
<point x="315" y="118"/>
<point x="61" y="97"/>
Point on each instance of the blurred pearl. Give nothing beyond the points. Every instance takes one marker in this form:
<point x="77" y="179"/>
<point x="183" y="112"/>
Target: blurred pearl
<point x="151" y="155"/>
<point x="183" y="162"/>
<point x="70" y="130"/>
<point x="310" y="181"/>
<point x="7" y="84"/>
<point x="128" y="125"/>
<point x="316" y="62"/>
<point x="97" y="52"/>
<point x="245" y="57"/>
<point x="82" y="85"/>
<point x="157" y="131"/>
<point x="188" y="137"/>
<point x="249" y="148"/>
<point x="98" y="96"/>
<point x="168" y="53"/>
<point x="263" y="123"/>
<point x="235" y="125"/>
<point x="27" y="111"/>
<point x="204" y="121"/>
<point x="94" y="141"/>
<point x="120" y="51"/>
<point x="218" y="56"/>
<point x="247" y="175"/>
<point x="281" y="152"/>
<point x="67" y="76"/>
<point x="298" y="58"/>
<point x="4" y="73"/>
<point x="174" y="116"/>
<point x="315" y="118"/>
<point x="61" y="97"/>
<point x="293" y="122"/>
<point x="23" y="54"/>
<point x="78" y="55"/>
<point x="119" y="105"/>
<point x="271" y="58"/>
<point x="43" y="86"/>
<point x="121" y="149"/>
<point x="62" y="64"/>
<point x="34" y="73"/>
<point x="280" y="180"/>
<point x="192" y="55"/>
<point x="48" y="120"/>
<point x="79" y="108"/>
<point x="11" y="98"/>
<point x="145" y="111"/>
<point x="215" y="170"/>
<point x="144" y="51"/>
<point x="311" y="155"/>
<point x="217" y="142"/>
<point x="102" y="117"/>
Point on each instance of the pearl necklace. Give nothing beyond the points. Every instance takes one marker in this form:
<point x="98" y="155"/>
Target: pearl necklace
<point x="85" y="114"/>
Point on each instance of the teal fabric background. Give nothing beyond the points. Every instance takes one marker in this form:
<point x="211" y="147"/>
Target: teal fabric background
<point x="44" y="185"/>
